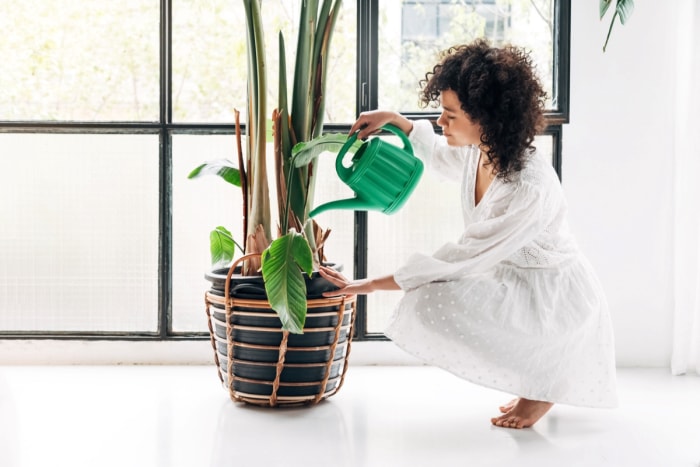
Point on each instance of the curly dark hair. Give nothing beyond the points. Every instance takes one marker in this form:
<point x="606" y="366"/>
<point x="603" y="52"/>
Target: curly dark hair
<point x="499" y="90"/>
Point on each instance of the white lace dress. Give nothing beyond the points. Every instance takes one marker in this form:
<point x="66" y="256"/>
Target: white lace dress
<point x="513" y="304"/>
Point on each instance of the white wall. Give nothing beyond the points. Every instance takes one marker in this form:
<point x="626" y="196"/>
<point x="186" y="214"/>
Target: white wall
<point x="617" y="169"/>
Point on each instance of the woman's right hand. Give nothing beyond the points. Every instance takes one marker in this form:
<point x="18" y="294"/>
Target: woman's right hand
<point x="355" y="287"/>
<point x="371" y="122"/>
<point x="345" y="286"/>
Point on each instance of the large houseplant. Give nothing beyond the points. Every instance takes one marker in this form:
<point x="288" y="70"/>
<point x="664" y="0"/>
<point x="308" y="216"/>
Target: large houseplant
<point x="299" y="244"/>
<point x="267" y="351"/>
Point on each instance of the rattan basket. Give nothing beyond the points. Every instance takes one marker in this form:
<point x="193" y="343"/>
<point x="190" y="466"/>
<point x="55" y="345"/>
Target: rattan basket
<point x="261" y="364"/>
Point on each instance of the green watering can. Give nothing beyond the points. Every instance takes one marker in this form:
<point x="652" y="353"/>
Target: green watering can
<point x="382" y="175"/>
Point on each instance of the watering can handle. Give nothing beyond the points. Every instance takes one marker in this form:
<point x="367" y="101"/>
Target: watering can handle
<point x="397" y="131"/>
<point x="344" y="172"/>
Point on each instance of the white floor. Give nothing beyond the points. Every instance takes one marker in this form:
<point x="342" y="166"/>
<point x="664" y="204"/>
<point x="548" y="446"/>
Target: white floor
<point x="168" y="416"/>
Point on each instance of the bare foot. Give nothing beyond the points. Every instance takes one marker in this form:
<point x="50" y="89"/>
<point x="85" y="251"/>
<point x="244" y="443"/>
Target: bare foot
<point x="507" y="407"/>
<point x="524" y="414"/>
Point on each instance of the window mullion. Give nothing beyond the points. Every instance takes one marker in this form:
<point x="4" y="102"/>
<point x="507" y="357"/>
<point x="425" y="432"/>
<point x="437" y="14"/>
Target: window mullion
<point x="165" y="316"/>
<point x="367" y="98"/>
<point x="562" y="46"/>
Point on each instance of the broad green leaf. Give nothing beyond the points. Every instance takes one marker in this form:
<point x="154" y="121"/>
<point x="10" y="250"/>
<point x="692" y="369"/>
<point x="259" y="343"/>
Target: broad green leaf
<point x="302" y="94"/>
<point x="222" y="246"/>
<point x="282" y="265"/>
<point x="224" y="168"/>
<point x="258" y="196"/>
<point x="284" y="191"/>
<point x="604" y="5"/>
<point x="327" y="20"/>
<point x="282" y="98"/>
<point x="625" y="9"/>
<point x="305" y="152"/>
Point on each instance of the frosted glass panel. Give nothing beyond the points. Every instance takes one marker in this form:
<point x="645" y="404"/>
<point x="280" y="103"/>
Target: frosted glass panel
<point x="79" y="232"/>
<point x="83" y="60"/>
<point x="431" y="217"/>
<point x="209" y="58"/>
<point x="198" y="206"/>
<point x="201" y="204"/>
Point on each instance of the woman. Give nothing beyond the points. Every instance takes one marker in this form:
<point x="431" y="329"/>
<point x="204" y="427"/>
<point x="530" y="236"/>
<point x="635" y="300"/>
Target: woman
<point x="513" y="304"/>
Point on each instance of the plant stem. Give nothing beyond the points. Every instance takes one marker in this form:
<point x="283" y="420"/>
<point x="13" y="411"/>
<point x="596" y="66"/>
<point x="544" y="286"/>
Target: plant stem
<point x="610" y="30"/>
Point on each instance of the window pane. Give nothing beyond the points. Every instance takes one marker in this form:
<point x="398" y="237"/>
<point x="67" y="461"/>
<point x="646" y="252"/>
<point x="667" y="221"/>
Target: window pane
<point x="431" y="217"/>
<point x="200" y="205"/>
<point x="209" y="59"/>
<point x="79" y="232"/>
<point x="93" y="60"/>
<point x="413" y="32"/>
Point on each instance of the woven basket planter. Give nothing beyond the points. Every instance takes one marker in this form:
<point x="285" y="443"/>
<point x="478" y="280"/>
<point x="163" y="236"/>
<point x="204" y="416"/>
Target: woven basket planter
<point x="261" y="364"/>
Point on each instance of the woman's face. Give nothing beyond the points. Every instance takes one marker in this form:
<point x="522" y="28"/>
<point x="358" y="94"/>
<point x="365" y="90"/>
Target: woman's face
<point x="457" y="126"/>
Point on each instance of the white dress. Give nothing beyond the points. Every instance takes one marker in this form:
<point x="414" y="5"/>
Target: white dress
<point x="513" y="304"/>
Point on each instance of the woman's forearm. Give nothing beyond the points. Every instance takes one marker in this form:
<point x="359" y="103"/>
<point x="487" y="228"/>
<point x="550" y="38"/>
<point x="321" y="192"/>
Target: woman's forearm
<point x="384" y="283"/>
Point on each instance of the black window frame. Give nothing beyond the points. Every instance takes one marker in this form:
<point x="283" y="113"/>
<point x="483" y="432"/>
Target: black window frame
<point x="165" y="128"/>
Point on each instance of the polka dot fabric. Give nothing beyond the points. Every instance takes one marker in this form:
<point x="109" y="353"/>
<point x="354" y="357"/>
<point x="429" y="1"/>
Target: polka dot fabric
<point x="513" y="304"/>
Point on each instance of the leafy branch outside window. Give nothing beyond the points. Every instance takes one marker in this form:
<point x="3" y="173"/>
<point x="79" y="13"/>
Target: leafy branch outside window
<point x="623" y="9"/>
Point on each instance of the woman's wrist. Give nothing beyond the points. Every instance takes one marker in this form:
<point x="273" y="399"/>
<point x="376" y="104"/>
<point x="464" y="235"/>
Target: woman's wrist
<point x="402" y="123"/>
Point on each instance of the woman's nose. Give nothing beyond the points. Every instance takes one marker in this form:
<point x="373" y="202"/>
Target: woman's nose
<point x="441" y="119"/>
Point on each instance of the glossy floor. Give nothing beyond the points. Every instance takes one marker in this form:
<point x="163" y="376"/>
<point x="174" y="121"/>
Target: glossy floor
<point x="171" y="416"/>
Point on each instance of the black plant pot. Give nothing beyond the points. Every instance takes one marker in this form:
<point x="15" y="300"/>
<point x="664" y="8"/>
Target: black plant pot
<point x="254" y="286"/>
<point x="261" y="364"/>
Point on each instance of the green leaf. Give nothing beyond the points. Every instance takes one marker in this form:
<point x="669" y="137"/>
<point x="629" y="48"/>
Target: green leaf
<point x="282" y="265"/>
<point x="305" y="152"/>
<point x="327" y="20"/>
<point x="224" y="168"/>
<point x="303" y="71"/>
<point x="282" y="98"/>
<point x="604" y="5"/>
<point x="624" y="8"/>
<point x="222" y="246"/>
<point x="256" y="140"/>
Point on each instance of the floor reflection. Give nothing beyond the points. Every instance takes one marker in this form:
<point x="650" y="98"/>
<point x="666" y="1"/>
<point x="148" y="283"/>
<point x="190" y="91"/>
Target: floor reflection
<point x="251" y="435"/>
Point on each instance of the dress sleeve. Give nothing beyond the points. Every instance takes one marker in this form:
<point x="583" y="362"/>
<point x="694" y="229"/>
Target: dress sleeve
<point x="435" y="153"/>
<point x="518" y="217"/>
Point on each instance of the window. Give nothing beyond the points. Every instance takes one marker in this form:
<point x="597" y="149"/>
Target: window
<point x="105" y="111"/>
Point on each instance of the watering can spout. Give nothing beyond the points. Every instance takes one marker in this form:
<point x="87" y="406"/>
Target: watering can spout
<point x="353" y="204"/>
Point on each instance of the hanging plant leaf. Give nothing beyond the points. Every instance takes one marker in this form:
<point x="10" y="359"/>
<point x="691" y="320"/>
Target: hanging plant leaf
<point x="624" y="8"/>
<point x="224" y="168"/>
<point x="282" y="265"/>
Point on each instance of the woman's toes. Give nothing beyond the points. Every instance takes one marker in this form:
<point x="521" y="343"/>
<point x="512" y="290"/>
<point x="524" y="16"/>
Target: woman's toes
<point x="500" y="421"/>
<point x="508" y="421"/>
